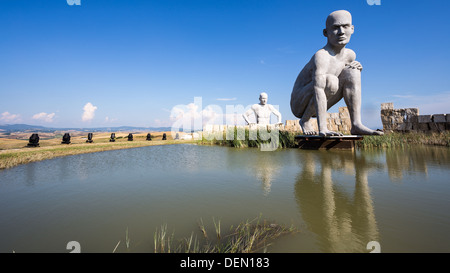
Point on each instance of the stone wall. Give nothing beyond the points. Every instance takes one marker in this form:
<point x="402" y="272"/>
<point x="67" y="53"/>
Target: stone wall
<point x="337" y="122"/>
<point x="409" y="120"/>
<point x="340" y="122"/>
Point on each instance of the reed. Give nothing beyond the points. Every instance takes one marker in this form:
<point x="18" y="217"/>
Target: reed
<point x="405" y="140"/>
<point x="286" y="139"/>
<point x="247" y="237"/>
<point x="252" y="139"/>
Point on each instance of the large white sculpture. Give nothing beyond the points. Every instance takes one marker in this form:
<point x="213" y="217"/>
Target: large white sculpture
<point x="332" y="74"/>
<point x="262" y="111"/>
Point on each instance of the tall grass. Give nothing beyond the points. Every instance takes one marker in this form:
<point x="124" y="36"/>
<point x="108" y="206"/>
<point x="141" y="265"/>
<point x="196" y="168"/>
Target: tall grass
<point x="285" y="139"/>
<point x="247" y="237"/>
<point x="405" y="140"/>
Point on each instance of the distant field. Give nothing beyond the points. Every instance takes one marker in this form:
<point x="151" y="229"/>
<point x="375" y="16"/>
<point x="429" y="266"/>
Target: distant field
<point x="13" y="150"/>
<point x="20" y="140"/>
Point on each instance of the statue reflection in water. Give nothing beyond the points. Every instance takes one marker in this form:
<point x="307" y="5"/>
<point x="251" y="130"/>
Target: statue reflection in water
<point x="264" y="166"/>
<point x="343" y="222"/>
<point x="267" y="166"/>
<point x="266" y="169"/>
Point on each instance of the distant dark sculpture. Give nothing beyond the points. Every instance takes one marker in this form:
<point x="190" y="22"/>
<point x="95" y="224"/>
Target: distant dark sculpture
<point x="177" y="136"/>
<point x="130" y="137"/>
<point x="33" y="141"/>
<point x="113" y="137"/>
<point x="149" y="137"/>
<point x="66" y="139"/>
<point x="89" y="140"/>
<point x="164" y="137"/>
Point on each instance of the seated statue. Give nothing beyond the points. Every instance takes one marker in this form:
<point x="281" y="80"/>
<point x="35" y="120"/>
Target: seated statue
<point x="164" y="137"/>
<point x="89" y="140"/>
<point x="332" y="74"/>
<point x="130" y="137"/>
<point x="262" y="111"/>
<point x="66" y="139"/>
<point x="113" y="137"/>
<point x="33" y="140"/>
<point x="149" y="137"/>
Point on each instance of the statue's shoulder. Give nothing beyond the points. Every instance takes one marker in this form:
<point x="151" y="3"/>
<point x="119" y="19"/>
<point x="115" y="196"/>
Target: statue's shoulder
<point x="271" y="107"/>
<point x="320" y="59"/>
<point x="351" y="55"/>
<point x="321" y="53"/>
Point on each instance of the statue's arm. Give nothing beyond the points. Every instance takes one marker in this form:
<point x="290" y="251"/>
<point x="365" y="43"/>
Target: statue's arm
<point x="247" y="114"/>
<point x="319" y="73"/>
<point x="276" y="113"/>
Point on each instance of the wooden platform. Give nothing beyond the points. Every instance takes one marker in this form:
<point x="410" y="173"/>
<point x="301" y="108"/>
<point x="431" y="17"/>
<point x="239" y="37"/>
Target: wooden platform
<point x="327" y="143"/>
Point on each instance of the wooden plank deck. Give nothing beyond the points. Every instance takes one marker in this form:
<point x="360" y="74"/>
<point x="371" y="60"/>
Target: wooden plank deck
<point x="328" y="142"/>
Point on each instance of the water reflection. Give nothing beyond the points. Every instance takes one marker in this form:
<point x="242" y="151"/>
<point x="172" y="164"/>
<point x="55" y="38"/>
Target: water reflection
<point x="332" y="193"/>
<point x="30" y="175"/>
<point x="414" y="160"/>
<point x="265" y="169"/>
<point x="341" y="221"/>
<point x="264" y="166"/>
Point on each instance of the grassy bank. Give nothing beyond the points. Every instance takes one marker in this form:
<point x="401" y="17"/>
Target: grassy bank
<point x="247" y="237"/>
<point x="287" y="140"/>
<point x="405" y="139"/>
<point x="11" y="156"/>
<point x="14" y="157"/>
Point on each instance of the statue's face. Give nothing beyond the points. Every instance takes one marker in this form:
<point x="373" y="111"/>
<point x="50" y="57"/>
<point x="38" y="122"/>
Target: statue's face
<point x="339" y="28"/>
<point x="263" y="99"/>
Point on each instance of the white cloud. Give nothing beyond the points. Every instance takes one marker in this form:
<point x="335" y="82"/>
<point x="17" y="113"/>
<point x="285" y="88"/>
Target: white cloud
<point x="110" y="120"/>
<point x="403" y="96"/>
<point x="226" y="99"/>
<point x="437" y="103"/>
<point x="191" y="117"/>
<point x="8" y="117"/>
<point x="161" y="123"/>
<point x="89" y="112"/>
<point x="432" y="103"/>
<point x="44" y="117"/>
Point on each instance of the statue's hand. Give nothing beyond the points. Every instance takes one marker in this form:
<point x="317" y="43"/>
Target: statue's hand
<point x="355" y="65"/>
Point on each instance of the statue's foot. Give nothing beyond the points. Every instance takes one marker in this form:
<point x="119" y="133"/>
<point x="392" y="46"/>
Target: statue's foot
<point x="307" y="127"/>
<point x="363" y="130"/>
<point x="329" y="133"/>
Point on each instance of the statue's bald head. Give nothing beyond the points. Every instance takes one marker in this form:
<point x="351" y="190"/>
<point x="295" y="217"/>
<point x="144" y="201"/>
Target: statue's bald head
<point x="339" y="28"/>
<point x="263" y="98"/>
<point x="339" y="16"/>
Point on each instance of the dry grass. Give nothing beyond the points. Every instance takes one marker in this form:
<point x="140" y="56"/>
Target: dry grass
<point x="405" y="139"/>
<point x="14" y="152"/>
<point x="249" y="236"/>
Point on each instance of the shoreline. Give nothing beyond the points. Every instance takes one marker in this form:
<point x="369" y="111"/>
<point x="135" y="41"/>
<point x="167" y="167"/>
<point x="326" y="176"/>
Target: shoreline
<point x="10" y="158"/>
<point x="15" y="156"/>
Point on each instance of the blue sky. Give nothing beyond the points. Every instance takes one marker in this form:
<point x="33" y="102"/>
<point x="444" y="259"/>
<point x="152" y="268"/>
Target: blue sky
<point x="128" y="62"/>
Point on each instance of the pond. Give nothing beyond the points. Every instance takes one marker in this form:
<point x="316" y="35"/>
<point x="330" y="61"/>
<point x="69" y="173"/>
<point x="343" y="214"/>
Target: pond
<point x="338" y="200"/>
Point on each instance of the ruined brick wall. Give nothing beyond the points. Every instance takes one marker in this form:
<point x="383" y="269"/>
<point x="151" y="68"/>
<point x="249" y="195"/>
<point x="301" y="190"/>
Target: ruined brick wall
<point x="340" y="122"/>
<point x="337" y="122"/>
<point x="409" y="120"/>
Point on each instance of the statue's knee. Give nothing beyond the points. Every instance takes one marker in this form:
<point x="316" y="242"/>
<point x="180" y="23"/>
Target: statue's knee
<point x="350" y="76"/>
<point x="350" y="73"/>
